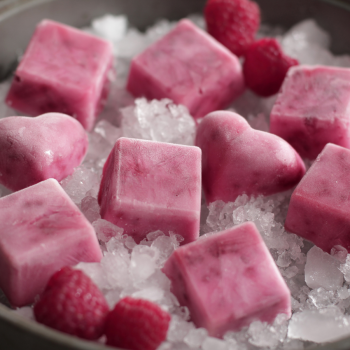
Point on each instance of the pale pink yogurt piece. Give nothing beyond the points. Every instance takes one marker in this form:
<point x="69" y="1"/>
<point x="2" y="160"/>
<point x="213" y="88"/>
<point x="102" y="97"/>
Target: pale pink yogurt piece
<point x="228" y="280"/>
<point x="36" y="149"/>
<point x="63" y="70"/>
<point x="148" y="186"/>
<point x="240" y="160"/>
<point x="189" y="67"/>
<point x="320" y="205"/>
<point x="41" y="230"/>
<point x="313" y="109"/>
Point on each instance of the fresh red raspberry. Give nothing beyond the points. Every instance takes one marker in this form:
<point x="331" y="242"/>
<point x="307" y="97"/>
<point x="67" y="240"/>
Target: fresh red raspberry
<point x="136" y="324"/>
<point x="266" y="66"/>
<point x="233" y="23"/>
<point x="73" y="304"/>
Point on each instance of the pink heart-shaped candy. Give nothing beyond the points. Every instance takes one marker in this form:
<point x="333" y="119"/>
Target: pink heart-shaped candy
<point x="237" y="159"/>
<point x="36" y="149"/>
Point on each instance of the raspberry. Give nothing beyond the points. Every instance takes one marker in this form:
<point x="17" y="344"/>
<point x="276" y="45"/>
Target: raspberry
<point x="266" y="66"/>
<point x="72" y="303"/>
<point x="233" y="23"/>
<point x="136" y="324"/>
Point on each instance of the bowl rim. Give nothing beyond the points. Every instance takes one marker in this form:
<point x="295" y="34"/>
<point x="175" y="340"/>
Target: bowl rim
<point x="340" y="3"/>
<point x="45" y="332"/>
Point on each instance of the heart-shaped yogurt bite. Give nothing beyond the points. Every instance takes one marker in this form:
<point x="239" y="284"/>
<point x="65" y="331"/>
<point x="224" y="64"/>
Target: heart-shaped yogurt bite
<point x="36" y="149"/>
<point x="237" y="159"/>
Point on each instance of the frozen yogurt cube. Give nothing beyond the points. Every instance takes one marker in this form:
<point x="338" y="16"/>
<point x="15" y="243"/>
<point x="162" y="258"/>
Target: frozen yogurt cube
<point x="313" y="109"/>
<point x="41" y="230"/>
<point x="238" y="159"/>
<point x="228" y="280"/>
<point x="63" y="70"/>
<point x="189" y="67"/>
<point x="37" y="149"/>
<point x="148" y="186"/>
<point x="320" y="205"/>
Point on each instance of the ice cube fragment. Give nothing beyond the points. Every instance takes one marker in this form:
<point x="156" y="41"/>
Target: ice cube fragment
<point x="320" y="205"/>
<point x="190" y="68"/>
<point x="228" y="280"/>
<point x="41" y="230"/>
<point x="63" y="70"/>
<point x="313" y="109"/>
<point x="148" y="186"/>
<point x="322" y="270"/>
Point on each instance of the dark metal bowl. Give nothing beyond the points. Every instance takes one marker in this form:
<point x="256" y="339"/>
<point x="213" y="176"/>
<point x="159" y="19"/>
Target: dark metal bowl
<point x="18" y="19"/>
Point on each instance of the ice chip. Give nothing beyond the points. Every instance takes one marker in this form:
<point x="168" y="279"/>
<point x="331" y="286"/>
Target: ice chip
<point x="158" y="121"/>
<point x="195" y="337"/>
<point x="109" y="27"/>
<point x="101" y="141"/>
<point x="178" y="329"/>
<point x="159" y="29"/>
<point x="319" y="326"/>
<point x="152" y="293"/>
<point x="143" y="262"/>
<point x="345" y="268"/>
<point x="308" y="43"/>
<point x="165" y="245"/>
<point x="321" y="298"/>
<point x="284" y="259"/>
<point x="116" y="270"/>
<point x="270" y="336"/>
<point x="343" y="293"/>
<point x="322" y="270"/>
<point x="80" y="182"/>
<point x="90" y="208"/>
<point x="290" y="272"/>
<point x="211" y="343"/>
<point x="340" y="253"/>
<point x="133" y="43"/>
<point x="95" y="272"/>
<point x="108" y="131"/>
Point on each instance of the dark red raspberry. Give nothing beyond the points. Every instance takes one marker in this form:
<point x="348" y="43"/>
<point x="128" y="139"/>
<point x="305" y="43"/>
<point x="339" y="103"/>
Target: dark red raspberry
<point x="233" y="23"/>
<point x="136" y="324"/>
<point x="73" y="304"/>
<point x="266" y="66"/>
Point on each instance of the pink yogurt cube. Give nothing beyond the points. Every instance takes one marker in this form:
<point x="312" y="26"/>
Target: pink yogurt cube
<point x="320" y="205"/>
<point x="228" y="280"/>
<point x="41" y="230"/>
<point x="63" y="70"/>
<point x="312" y="109"/>
<point x="189" y="67"/>
<point x="148" y="186"/>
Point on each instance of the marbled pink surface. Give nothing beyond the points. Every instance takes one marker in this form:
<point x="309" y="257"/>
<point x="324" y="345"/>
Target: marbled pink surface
<point x="41" y="230"/>
<point x="320" y="205"/>
<point x="36" y="149"/>
<point x="148" y="186"/>
<point x="191" y="68"/>
<point x="228" y="280"/>
<point x="313" y="109"/>
<point x="63" y="70"/>
<point x="238" y="159"/>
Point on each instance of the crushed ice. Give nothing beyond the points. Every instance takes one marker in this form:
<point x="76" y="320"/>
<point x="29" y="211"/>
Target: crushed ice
<point x="161" y="121"/>
<point x="319" y="282"/>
